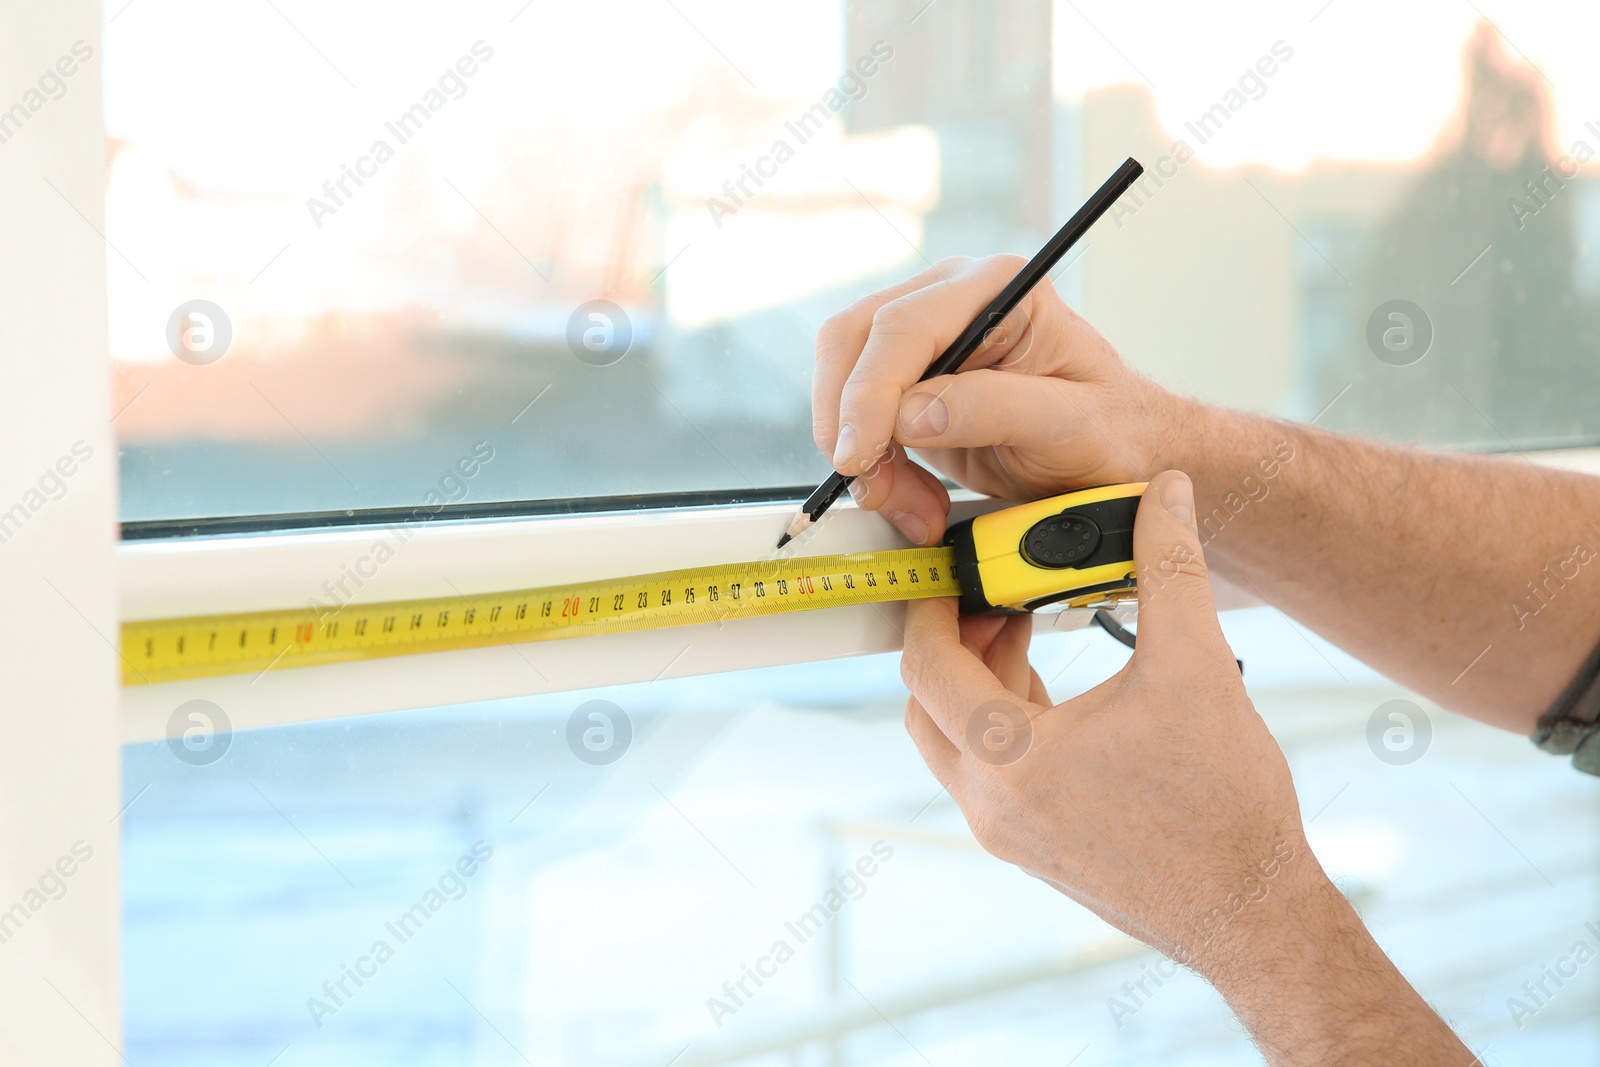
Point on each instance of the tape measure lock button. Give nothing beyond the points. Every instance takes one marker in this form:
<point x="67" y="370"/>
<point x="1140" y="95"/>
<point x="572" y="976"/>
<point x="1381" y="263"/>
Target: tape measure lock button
<point x="1060" y="541"/>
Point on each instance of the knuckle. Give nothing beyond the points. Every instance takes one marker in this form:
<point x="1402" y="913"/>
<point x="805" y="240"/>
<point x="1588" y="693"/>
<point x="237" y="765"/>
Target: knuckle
<point x="834" y="329"/>
<point x="914" y="666"/>
<point x="916" y="718"/>
<point x="1178" y="562"/>
<point x="869" y="303"/>
<point x="860" y="395"/>
<point x="894" y="318"/>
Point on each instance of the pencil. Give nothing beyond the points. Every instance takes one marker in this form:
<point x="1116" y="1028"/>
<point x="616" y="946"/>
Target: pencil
<point x="972" y="337"/>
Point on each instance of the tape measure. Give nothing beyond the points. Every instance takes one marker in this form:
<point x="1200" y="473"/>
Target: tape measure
<point x="1073" y="550"/>
<point x="1013" y="560"/>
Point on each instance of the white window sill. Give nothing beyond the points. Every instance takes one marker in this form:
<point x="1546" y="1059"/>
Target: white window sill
<point x="247" y="573"/>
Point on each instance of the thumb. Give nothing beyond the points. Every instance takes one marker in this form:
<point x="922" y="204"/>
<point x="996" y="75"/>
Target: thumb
<point x="1176" y="610"/>
<point x="979" y="408"/>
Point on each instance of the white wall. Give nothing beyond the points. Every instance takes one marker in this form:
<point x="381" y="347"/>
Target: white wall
<point x="59" y="760"/>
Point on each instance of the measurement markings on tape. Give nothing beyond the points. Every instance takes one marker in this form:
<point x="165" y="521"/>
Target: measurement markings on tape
<point x="165" y="650"/>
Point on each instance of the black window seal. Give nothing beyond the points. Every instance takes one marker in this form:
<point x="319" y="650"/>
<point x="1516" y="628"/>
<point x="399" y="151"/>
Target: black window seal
<point x="417" y="514"/>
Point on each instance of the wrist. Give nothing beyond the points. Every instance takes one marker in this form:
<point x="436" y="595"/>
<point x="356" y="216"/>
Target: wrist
<point x="1313" y="988"/>
<point x="1235" y="460"/>
<point x="1174" y="425"/>
<point x="1287" y="929"/>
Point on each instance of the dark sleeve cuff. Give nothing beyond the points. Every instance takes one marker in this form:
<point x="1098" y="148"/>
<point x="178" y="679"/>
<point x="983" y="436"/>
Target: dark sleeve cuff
<point x="1572" y="724"/>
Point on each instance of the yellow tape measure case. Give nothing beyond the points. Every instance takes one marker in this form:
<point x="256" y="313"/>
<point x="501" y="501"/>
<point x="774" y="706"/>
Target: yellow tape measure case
<point x="1074" y="549"/>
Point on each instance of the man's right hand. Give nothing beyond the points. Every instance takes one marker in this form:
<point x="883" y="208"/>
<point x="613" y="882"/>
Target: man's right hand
<point x="1337" y="532"/>
<point x="1046" y="405"/>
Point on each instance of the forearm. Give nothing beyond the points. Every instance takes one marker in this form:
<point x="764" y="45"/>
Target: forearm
<point x="1312" y="987"/>
<point x="1464" y="577"/>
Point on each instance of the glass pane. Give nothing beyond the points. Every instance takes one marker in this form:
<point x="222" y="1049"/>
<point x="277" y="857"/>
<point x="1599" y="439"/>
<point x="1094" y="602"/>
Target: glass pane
<point x="399" y="218"/>
<point x="477" y="885"/>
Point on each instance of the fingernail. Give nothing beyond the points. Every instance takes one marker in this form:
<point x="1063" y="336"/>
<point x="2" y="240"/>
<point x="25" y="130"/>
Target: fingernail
<point x="859" y="490"/>
<point x="925" y="414"/>
<point x="912" y="526"/>
<point x="844" y="453"/>
<point x="1177" y="496"/>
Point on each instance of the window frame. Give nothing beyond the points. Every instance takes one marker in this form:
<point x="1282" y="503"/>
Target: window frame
<point x="217" y="574"/>
<point x="60" y="973"/>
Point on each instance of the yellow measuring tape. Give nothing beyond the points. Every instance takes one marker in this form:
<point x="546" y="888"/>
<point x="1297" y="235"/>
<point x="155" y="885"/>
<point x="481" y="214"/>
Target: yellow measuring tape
<point x="1072" y="551"/>
<point x="167" y="650"/>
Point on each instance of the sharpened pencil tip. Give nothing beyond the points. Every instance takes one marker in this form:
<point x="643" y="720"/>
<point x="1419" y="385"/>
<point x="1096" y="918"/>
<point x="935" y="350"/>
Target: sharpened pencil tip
<point x="797" y="526"/>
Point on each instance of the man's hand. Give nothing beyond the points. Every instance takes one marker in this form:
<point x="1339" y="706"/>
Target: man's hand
<point x="1044" y="406"/>
<point x="1335" y="531"/>
<point x="1159" y="801"/>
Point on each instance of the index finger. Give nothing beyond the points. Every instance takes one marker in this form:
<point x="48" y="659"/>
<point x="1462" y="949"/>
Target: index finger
<point x="839" y="343"/>
<point x="945" y="676"/>
<point x="908" y="333"/>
